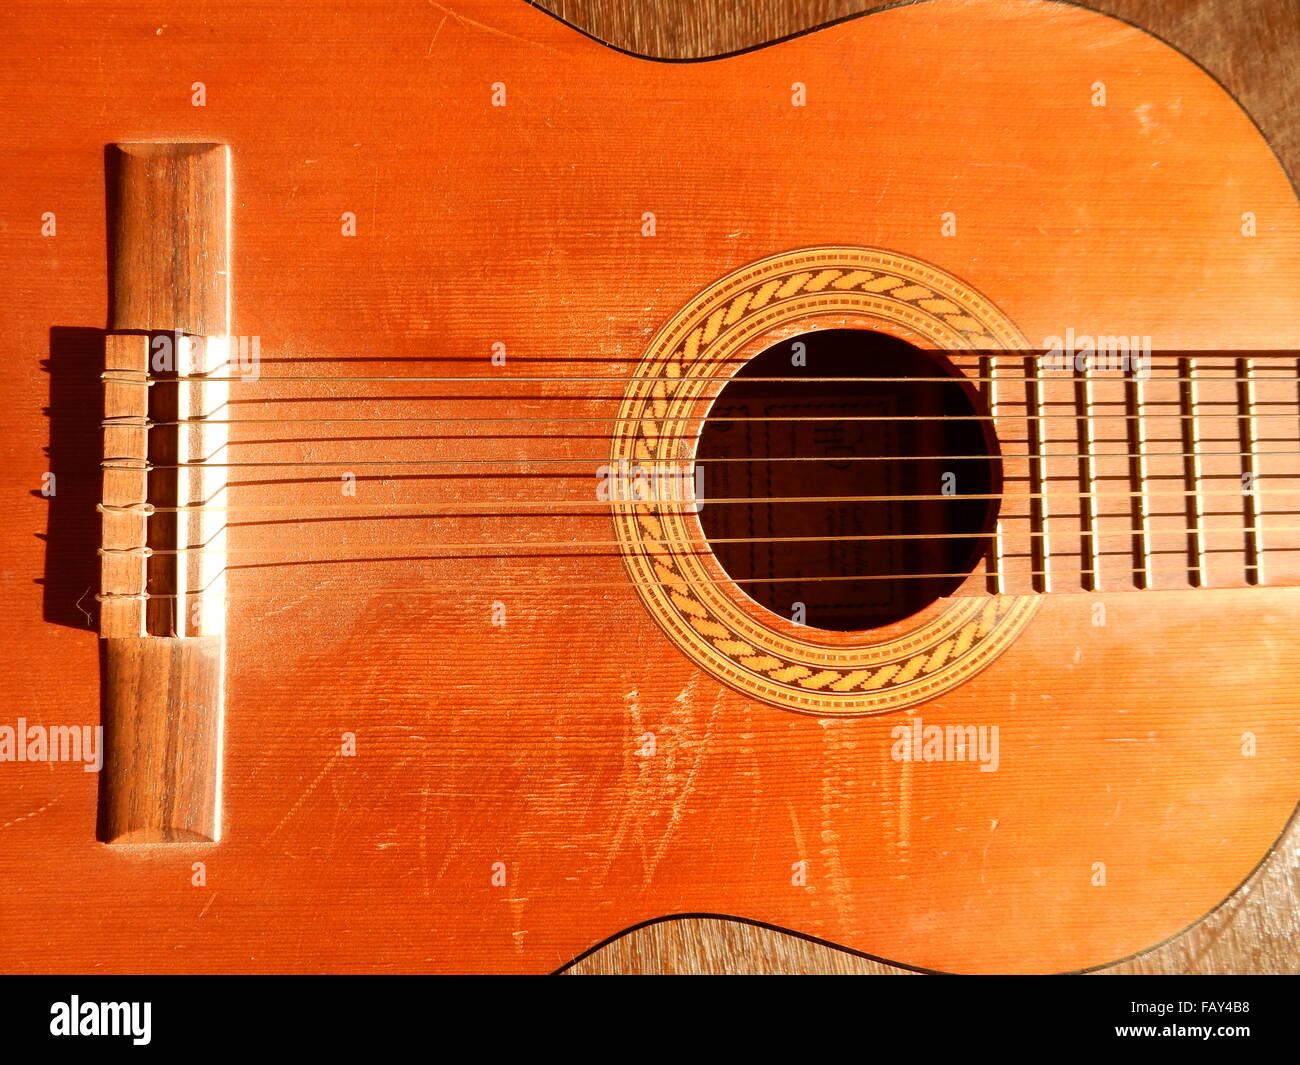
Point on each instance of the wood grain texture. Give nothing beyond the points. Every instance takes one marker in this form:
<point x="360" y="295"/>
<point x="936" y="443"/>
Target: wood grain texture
<point x="162" y="740"/>
<point x="411" y="786"/>
<point x="169" y="241"/>
<point x="1253" y="48"/>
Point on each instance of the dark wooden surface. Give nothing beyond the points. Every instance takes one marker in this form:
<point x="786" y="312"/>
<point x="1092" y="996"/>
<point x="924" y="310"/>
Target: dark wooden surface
<point x="162" y="723"/>
<point x="1253" y="48"/>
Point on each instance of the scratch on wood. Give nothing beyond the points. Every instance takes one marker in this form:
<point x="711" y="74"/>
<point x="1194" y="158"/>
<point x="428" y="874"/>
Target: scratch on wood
<point x="699" y="749"/>
<point x="841" y="888"/>
<point x="985" y="856"/>
<point x="435" y="36"/>
<point x="424" y="840"/>
<point x="800" y="851"/>
<point x="304" y="796"/>
<point x="29" y="816"/>
<point x="465" y="20"/>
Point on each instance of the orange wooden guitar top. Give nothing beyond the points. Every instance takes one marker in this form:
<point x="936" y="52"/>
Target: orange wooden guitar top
<point x="409" y="786"/>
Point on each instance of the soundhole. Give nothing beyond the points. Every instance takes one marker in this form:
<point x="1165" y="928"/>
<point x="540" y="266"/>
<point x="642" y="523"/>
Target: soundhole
<point x="871" y="416"/>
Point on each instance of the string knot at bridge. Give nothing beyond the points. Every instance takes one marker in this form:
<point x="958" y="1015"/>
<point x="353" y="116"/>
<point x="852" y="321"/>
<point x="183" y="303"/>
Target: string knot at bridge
<point x="129" y="508"/>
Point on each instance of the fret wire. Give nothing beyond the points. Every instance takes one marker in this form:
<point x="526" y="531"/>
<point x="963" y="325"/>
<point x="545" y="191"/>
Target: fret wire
<point x="1042" y="577"/>
<point x="1088" y="511"/>
<point x="996" y="558"/>
<point x="1246" y="398"/>
<point x="1187" y="395"/>
<point x="1140" y="511"/>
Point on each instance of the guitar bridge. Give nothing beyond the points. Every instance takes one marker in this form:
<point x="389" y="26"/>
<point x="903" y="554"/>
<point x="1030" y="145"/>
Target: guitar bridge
<point x="167" y="363"/>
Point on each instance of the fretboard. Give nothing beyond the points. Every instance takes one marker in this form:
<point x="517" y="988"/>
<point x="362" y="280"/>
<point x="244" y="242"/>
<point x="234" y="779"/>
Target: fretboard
<point x="1188" y="476"/>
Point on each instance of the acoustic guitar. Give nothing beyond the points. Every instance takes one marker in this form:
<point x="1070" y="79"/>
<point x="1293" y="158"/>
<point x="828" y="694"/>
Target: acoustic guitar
<point x="472" y="491"/>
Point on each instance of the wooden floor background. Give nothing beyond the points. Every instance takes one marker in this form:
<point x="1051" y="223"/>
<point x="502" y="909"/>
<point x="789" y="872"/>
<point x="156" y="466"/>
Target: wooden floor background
<point x="1253" y="48"/>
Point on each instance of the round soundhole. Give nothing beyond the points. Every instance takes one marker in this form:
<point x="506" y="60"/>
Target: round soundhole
<point x="897" y="451"/>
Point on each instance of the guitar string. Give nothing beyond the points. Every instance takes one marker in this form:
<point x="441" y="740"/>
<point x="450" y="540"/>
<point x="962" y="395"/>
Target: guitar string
<point x="1059" y="377"/>
<point x="145" y="380"/>
<point x="150" y="508"/>
<point x="131" y="421"/>
<point x="953" y="354"/>
<point x="485" y="545"/>
<point x="1049" y="360"/>
<point x="558" y="586"/>
<point x="138" y="465"/>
